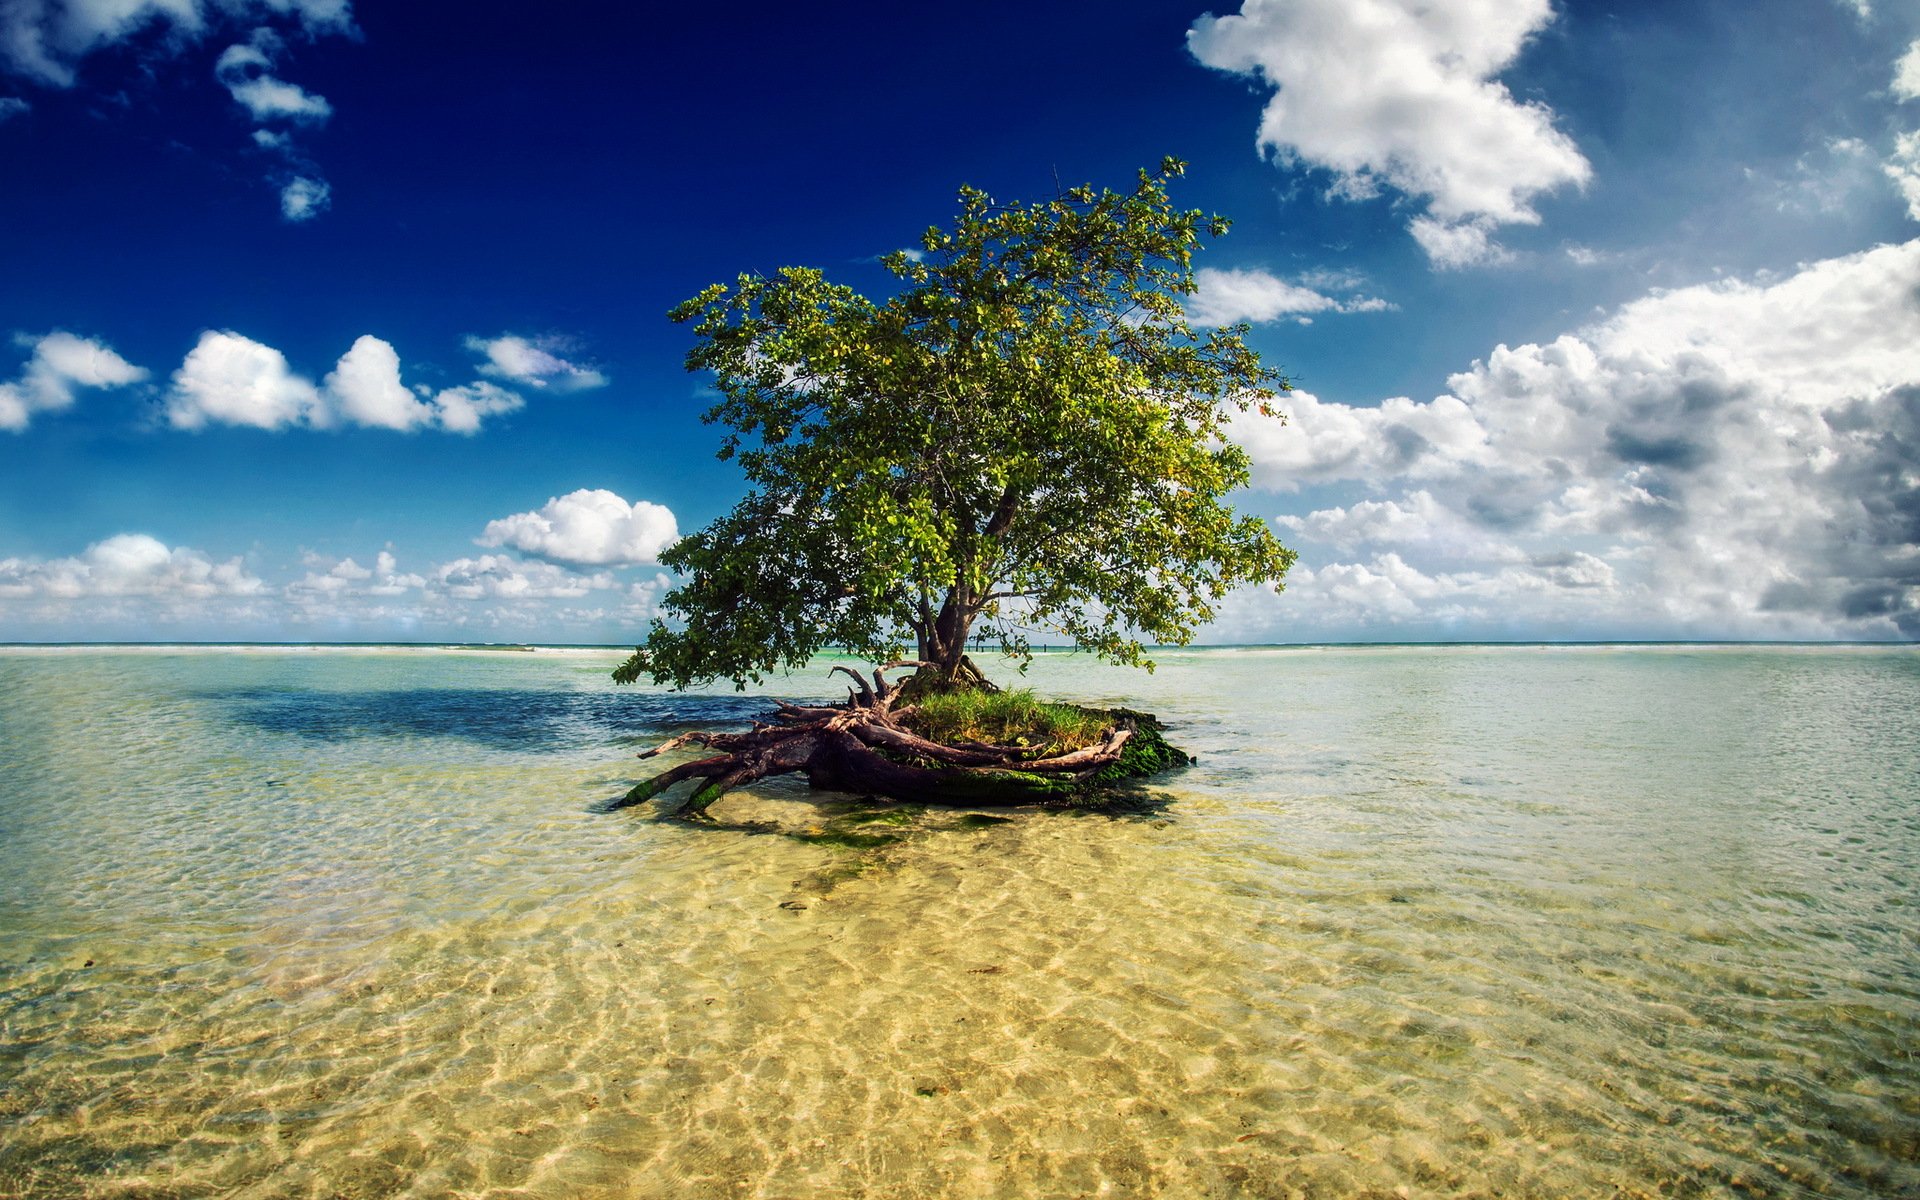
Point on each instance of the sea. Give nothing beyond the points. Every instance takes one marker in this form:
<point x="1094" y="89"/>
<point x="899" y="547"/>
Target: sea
<point x="1422" y="921"/>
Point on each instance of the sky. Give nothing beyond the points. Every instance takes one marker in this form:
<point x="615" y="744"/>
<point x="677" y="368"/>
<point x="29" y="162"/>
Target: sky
<point x="345" y="321"/>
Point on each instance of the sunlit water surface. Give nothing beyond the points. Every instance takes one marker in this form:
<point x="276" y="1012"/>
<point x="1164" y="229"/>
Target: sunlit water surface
<point x="1425" y="922"/>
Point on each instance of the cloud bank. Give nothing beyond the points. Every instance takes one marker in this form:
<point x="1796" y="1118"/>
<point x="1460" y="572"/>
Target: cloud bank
<point x="1403" y="94"/>
<point x="1729" y="460"/>
<point x="135" y="586"/>
<point x="127" y="564"/>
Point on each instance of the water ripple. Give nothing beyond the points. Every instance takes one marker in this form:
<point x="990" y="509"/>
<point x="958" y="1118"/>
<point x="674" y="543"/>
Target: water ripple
<point x="1438" y="923"/>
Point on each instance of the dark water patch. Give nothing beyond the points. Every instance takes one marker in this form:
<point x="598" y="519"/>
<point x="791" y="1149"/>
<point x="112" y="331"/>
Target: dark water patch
<point x="501" y="719"/>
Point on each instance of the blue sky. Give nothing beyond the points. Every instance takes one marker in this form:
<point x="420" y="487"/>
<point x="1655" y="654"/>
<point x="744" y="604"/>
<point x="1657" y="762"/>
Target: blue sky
<point x="331" y="321"/>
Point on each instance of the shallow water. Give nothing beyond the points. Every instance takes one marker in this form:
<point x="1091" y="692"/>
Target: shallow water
<point x="1431" y="922"/>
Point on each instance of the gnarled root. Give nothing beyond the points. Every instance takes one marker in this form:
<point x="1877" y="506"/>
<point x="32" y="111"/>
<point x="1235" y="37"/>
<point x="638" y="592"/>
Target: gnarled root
<point x="863" y="747"/>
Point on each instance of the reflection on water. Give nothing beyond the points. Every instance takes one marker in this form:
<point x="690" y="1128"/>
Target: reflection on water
<point x="1423" y="922"/>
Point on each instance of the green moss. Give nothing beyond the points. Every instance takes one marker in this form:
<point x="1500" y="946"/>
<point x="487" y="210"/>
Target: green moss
<point x="846" y="838"/>
<point x="1146" y="753"/>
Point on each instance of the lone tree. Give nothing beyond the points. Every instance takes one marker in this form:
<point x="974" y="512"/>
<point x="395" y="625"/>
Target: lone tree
<point x="1027" y="437"/>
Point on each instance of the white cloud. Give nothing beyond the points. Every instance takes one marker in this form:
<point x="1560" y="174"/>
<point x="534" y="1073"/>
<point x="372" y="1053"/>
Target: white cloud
<point x="534" y="363"/>
<point x="228" y="379"/>
<point x="1403" y="94"/>
<point x="1321" y="441"/>
<point x="13" y="106"/>
<point x="589" y="527"/>
<point x="330" y="580"/>
<point x="495" y="576"/>
<point x="1389" y="596"/>
<point x="366" y="388"/>
<point x="245" y="70"/>
<point x="1454" y="244"/>
<point x="47" y="39"/>
<point x="1416" y="519"/>
<point x="1906" y="74"/>
<point x="463" y="408"/>
<point x="232" y="380"/>
<point x="61" y="363"/>
<point x="303" y="199"/>
<point x="388" y="578"/>
<point x="1735" y="459"/>
<point x="127" y="564"/>
<point x="1255" y="296"/>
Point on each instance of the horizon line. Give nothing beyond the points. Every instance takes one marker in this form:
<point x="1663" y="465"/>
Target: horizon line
<point x="211" y="643"/>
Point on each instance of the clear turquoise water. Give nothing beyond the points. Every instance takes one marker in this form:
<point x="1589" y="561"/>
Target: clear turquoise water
<point x="1427" y="922"/>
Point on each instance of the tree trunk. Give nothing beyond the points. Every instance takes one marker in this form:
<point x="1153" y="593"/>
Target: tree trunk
<point x="945" y="665"/>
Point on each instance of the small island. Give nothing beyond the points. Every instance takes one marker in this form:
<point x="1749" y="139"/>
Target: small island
<point x="1027" y="437"/>
<point x="970" y="747"/>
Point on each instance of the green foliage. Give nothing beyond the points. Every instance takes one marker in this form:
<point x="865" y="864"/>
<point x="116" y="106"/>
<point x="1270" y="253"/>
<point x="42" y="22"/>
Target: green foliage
<point x="1011" y="718"/>
<point x="1027" y="438"/>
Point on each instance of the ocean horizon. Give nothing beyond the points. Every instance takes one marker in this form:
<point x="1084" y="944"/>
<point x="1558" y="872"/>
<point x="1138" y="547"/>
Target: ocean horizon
<point x="1063" y="649"/>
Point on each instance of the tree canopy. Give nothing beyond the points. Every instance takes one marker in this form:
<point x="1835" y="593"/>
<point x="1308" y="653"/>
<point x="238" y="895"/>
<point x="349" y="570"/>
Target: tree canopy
<point x="1026" y="440"/>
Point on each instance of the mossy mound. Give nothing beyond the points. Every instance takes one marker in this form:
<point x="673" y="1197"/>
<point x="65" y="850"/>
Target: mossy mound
<point x="1018" y="719"/>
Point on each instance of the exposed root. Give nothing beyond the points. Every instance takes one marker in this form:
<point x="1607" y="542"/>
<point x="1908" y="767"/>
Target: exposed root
<point x="863" y="747"/>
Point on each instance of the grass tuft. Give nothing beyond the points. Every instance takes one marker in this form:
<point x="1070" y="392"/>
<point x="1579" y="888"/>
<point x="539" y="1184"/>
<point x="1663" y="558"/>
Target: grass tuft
<point x="1013" y="718"/>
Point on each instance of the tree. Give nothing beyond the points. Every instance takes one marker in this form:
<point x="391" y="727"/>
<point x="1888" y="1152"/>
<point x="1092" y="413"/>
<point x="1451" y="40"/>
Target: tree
<point x="1027" y="437"/>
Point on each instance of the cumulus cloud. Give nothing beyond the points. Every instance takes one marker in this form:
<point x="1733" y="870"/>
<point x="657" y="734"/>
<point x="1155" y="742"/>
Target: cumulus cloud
<point x="228" y="379"/>
<point x="46" y="39"/>
<point x="60" y="365"/>
<point x="1404" y="94"/>
<point x="1734" y="459"/>
<point x="1415" y="519"/>
<point x="1323" y="442"/>
<point x="127" y="564"/>
<point x="533" y="362"/>
<point x="1254" y="296"/>
<point x="13" y="106"/>
<point x="589" y="527"/>
<point x="366" y="388"/>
